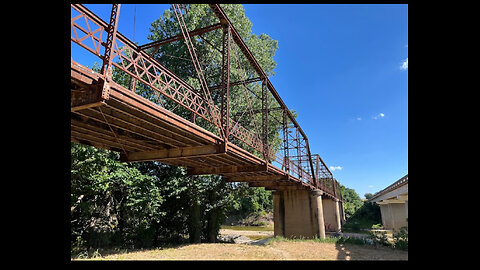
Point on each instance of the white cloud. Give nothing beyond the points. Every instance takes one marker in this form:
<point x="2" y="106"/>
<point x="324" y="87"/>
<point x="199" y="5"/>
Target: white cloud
<point x="371" y="186"/>
<point x="380" y="115"/>
<point x="359" y="118"/>
<point x="404" y="65"/>
<point x="333" y="168"/>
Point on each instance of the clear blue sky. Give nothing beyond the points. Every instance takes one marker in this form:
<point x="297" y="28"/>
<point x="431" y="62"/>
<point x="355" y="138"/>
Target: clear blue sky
<point x="343" y="68"/>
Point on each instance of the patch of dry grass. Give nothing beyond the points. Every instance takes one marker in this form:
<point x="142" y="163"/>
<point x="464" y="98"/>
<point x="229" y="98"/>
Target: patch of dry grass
<point x="301" y="250"/>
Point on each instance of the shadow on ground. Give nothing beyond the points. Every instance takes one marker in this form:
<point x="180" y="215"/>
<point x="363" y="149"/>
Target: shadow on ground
<point x="369" y="252"/>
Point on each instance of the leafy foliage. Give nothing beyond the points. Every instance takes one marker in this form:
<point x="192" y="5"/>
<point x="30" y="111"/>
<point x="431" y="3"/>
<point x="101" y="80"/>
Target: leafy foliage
<point x="352" y="202"/>
<point x="359" y="215"/>
<point x="144" y="204"/>
<point x="110" y="198"/>
<point x="249" y="202"/>
<point x="400" y="238"/>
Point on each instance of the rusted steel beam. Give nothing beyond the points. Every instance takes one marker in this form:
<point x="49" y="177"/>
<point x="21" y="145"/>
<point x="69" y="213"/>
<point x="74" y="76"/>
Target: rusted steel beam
<point x="282" y="188"/>
<point x="86" y="89"/>
<point x="82" y="74"/>
<point x="257" y="178"/>
<point x="310" y="161"/>
<point x="257" y="111"/>
<point x="227" y="169"/>
<point x="139" y="103"/>
<point x="181" y="152"/>
<point x="218" y="11"/>
<point x="94" y="134"/>
<point x="272" y="183"/>
<point x="322" y="166"/>
<point x="286" y="149"/>
<point x="99" y="129"/>
<point x="111" y="36"/>
<point x="192" y="33"/>
<point x="236" y="83"/>
<point x="265" y="121"/>
<point x="168" y="135"/>
<point x="86" y="106"/>
<point x="225" y="102"/>
<point x="146" y="70"/>
<point x="135" y="131"/>
<point x="212" y="110"/>
<point x="243" y="154"/>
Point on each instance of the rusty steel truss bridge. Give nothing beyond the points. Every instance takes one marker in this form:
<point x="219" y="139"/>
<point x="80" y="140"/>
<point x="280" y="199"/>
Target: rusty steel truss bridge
<point x="153" y="114"/>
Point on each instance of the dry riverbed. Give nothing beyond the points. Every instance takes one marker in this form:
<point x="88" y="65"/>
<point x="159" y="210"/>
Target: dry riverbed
<point x="305" y="250"/>
<point x="256" y="246"/>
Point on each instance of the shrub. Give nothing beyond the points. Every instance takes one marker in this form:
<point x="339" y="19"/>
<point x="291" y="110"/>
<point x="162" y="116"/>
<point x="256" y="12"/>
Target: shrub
<point x="352" y="240"/>
<point x="400" y="239"/>
<point x="380" y="237"/>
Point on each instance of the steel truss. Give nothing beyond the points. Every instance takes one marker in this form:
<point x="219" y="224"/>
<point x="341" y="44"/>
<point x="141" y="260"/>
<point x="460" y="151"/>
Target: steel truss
<point x="138" y="63"/>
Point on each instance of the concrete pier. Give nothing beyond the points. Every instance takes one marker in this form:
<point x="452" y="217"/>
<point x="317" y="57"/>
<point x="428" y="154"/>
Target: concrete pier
<point x="393" y="201"/>
<point x="305" y="213"/>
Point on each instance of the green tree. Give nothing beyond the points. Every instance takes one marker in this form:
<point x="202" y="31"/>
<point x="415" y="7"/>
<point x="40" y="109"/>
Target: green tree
<point x="352" y="201"/>
<point x="111" y="202"/>
<point x="249" y="201"/>
<point x="368" y="196"/>
<point x="175" y="56"/>
<point x="359" y="214"/>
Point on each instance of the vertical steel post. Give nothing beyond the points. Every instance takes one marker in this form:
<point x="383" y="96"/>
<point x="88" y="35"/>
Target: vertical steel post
<point x="107" y="60"/>
<point x="265" y="120"/>
<point x="334" y="189"/>
<point x="286" y="154"/>
<point x="225" y="107"/>
<point x="310" y="161"/>
<point x="299" y="154"/>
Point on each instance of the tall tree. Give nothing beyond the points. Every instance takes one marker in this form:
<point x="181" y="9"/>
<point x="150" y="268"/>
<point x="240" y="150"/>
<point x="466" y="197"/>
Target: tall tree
<point x="245" y="101"/>
<point x="352" y="201"/>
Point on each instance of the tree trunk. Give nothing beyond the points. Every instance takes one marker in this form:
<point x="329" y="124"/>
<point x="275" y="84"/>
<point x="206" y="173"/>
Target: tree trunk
<point x="212" y="232"/>
<point x="194" y="226"/>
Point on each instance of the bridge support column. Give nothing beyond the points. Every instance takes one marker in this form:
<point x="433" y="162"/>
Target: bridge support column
<point x="394" y="213"/>
<point x="298" y="213"/>
<point x="337" y="215"/>
<point x="317" y="208"/>
<point x="331" y="214"/>
<point x="278" y="213"/>
<point x="344" y="219"/>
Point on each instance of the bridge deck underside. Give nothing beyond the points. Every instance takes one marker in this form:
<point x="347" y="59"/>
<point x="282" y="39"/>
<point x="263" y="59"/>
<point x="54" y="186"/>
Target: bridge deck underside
<point x="141" y="130"/>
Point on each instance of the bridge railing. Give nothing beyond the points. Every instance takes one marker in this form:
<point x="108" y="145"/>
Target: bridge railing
<point x="262" y="124"/>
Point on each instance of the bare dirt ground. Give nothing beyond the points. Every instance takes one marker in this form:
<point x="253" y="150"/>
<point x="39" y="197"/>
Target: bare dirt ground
<point x="304" y="250"/>
<point x="257" y="247"/>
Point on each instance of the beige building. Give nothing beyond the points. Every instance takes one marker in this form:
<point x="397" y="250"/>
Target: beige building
<point x="393" y="201"/>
